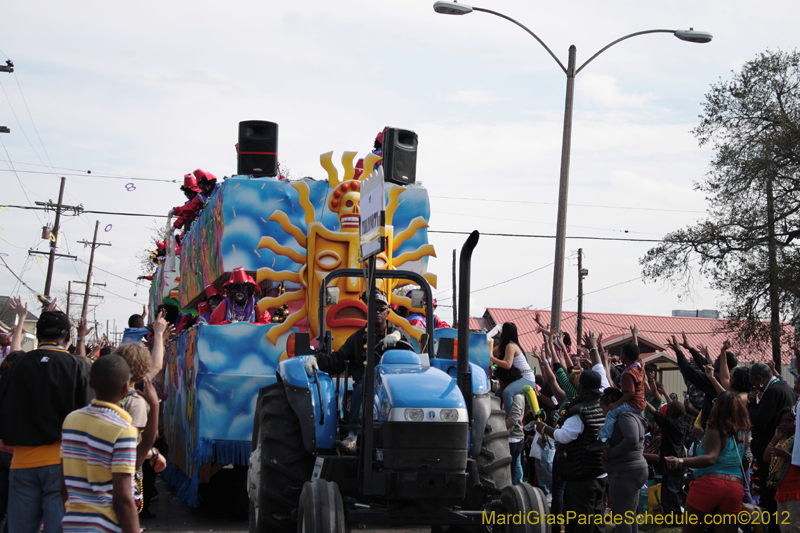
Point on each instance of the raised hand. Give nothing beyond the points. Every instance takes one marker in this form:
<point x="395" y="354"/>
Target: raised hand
<point x="685" y="342"/>
<point x="673" y="343"/>
<point x="83" y="331"/>
<point x="726" y="346"/>
<point x="19" y="308"/>
<point x="703" y="350"/>
<point x="160" y="324"/>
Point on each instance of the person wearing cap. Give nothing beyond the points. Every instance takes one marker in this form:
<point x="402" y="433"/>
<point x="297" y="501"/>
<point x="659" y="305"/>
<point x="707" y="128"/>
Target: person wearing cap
<point x="578" y="425"/>
<point x="36" y="394"/>
<point x="213" y="299"/>
<point x="354" y="352"/>
<point x="188" y="212"/>
<point x="207" y="183"/>
<point x="240" y="305"/>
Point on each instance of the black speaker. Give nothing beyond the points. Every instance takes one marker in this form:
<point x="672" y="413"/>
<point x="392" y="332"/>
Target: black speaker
<point x="257" y="151"/>
<point x="399" y="153"/>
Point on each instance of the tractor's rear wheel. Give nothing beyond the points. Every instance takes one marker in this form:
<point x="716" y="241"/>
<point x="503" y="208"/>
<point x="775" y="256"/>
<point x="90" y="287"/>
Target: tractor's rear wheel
<point x="285" y="464"/>
<point x="494" y="460"/>
<point x="321" y="509"/>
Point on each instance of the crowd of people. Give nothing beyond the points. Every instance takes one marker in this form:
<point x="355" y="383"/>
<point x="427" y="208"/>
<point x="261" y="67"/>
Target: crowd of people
<point x="606" y="429"/>
<point x="80" y="435"/>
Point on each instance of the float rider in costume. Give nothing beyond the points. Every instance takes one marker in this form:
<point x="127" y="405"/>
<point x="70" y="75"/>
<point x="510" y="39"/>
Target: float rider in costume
<point x="354" y="351"/>
<point x="579" y="423"/>
<point x="207" y="183"/>
<point x="186" y="213"/>
<point x="204" y="309"/>
<point x="240" y="305"/>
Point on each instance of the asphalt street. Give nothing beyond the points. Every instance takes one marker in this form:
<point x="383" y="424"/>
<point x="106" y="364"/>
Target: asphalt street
<point x="215" y="514"/>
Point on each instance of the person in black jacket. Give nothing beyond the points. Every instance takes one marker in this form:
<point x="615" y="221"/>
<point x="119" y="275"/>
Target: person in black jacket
<point x="580" y="422"/>
<point x="775" y="394"/>
<point x="354" y="352"/>
<point x="37" y="393"/>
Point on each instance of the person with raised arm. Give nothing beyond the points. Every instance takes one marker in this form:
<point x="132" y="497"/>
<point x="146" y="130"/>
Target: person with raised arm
<point x="696" y="375"/>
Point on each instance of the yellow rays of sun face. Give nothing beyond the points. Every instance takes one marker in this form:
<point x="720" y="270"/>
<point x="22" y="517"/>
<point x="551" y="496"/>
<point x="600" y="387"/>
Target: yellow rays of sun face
<point x="328" y="250"/>
<point x="302" y="259"/>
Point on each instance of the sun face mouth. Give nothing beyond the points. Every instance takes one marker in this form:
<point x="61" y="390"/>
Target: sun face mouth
<point x="347" y="313"/>
<point x="349" y="221"/>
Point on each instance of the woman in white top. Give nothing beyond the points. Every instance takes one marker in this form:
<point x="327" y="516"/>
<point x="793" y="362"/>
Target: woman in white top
<point x="507" y="354"/>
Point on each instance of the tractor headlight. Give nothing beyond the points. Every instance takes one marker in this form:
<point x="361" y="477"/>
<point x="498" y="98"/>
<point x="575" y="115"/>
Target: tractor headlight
<point x="414" y="415"/>
<point x="449" y="415"/>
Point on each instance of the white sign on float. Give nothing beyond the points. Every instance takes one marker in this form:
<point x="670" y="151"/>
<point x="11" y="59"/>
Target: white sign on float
<point x="372" y="215"/>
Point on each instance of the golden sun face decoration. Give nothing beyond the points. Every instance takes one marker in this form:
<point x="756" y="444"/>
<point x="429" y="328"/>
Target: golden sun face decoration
<point x="328" y="250"/>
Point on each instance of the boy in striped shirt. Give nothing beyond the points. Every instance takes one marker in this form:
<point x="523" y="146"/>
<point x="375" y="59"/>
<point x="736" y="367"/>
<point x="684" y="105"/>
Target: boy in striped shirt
<point x="98" y="455"/>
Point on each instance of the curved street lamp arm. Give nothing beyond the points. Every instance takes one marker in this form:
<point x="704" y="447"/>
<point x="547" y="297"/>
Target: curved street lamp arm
<point x="618" y="40"/>
<point x="560" y="64"/>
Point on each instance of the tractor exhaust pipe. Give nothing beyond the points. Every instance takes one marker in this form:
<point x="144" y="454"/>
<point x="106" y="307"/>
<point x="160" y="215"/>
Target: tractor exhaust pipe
<point x="464" y="379"/>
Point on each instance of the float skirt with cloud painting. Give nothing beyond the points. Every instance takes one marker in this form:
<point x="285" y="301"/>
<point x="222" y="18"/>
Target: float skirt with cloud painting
<point x="212" y="379"/>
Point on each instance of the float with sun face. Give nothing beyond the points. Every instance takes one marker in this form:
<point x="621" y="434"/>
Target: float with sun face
<point x="289" y="235"/>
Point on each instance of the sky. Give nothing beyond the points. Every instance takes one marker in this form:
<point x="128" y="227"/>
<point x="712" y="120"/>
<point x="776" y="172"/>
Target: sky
<point x="152" y="90"/>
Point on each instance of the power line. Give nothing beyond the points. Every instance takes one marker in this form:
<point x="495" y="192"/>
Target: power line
<point x="108" y="272"/>
<point x="502" y="282"/>
<point x="31" y="208"/>
<point x="571" y="204"/>
<point x="541" y="223"/>
<point x="19" y="180"/>
<point x="88" y="174"/>
<point x="532" y="236"/>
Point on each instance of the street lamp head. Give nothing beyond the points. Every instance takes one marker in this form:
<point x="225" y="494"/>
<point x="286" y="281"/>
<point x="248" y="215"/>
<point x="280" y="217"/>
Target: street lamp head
<point x="693" y="36"/>
<point x="451" y="8"/>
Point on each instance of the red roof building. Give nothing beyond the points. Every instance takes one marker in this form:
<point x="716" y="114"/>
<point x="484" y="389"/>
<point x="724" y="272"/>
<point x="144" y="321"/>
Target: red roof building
<point x="653" y="331"/>
<point x="653" y="334"/>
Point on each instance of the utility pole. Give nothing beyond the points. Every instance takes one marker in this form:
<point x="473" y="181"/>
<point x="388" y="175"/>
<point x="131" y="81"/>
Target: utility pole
<point x="455" y="295"/>
<point x="69" y="296"/>
<point x="94" y="244"/>
<point x="59" y="207"/>
<point x="582" y="273"/>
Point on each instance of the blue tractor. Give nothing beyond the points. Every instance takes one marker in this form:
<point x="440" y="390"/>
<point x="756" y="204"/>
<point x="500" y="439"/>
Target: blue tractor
<point x="433" y="449"/>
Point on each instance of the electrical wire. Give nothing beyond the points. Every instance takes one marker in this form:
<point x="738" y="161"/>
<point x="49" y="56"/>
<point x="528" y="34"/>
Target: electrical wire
<point x="20" y="182"/>
<point x="571" y="204"/>
<point x="502" y="282"/>
<point x="533" y="236"/>
<point x="540" y="223"/>
<point x="88" y="174"/>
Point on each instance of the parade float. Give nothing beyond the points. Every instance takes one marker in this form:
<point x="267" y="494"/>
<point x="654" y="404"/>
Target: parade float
<point x="288" y="235"/>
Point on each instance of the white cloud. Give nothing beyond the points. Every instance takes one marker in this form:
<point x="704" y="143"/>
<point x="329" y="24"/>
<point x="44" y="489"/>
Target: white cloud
<point x="472" y="97"/>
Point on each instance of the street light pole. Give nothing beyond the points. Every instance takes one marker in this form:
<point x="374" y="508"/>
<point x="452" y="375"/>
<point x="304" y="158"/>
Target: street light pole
<point x="690" y="35"/>
<point x="563" y="196"/>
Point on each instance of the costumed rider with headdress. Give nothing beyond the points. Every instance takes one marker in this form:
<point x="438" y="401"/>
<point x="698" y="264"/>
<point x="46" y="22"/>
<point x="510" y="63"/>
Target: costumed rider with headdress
<point x="186" y="213"/>
<point x="204" y="309"/>
<point x="207" y="183"/>
<point x="240" y="305"/>
<point x="419" y="320"/>
<point x="354" y="351"/>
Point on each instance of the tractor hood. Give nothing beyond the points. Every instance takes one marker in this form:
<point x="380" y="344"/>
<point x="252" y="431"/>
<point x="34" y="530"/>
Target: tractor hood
<point x="402" y="383"/>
